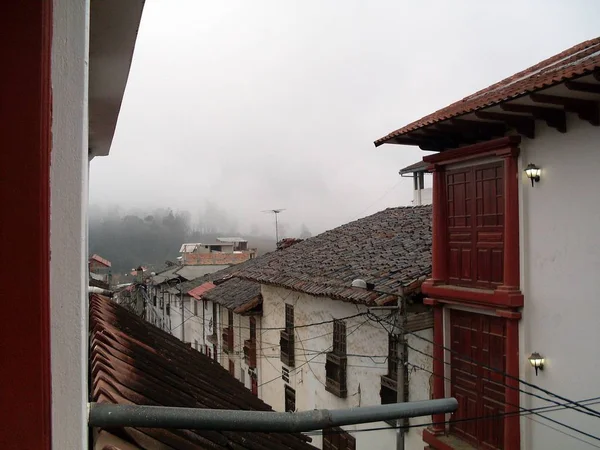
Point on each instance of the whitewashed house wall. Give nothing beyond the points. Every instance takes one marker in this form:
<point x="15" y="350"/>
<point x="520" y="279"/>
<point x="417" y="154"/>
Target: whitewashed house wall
<point x="560" y="263"/>
<point x="364" y="337"/>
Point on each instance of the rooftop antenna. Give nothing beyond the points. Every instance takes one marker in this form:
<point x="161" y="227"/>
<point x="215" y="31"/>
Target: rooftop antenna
<point x="276" y="212"/>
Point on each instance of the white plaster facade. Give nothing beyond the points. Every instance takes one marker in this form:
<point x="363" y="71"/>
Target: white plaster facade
<point x="307" y="377"/>
<point x="73" y="145"/>
<point x="202" y="334"/>
<point x="560" y="263"/>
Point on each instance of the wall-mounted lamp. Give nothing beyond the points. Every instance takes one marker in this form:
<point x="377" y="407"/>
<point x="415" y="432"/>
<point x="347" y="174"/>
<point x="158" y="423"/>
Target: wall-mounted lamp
<point x="537" y="361"/>
<point x="533" y="173"/>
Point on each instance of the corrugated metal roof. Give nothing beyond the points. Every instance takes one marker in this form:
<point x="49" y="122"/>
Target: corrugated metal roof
<point x="420" y="166"/>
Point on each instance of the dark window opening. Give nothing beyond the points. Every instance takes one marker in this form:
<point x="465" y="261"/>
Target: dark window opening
<point x="338" y="439"/>
<point x="290" y="399"/>
<point x="286" y="340"/>
<point x="336" y="362"/>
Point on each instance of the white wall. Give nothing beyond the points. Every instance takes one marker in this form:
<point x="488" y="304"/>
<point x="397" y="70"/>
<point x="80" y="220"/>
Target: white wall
<point x="560" y="261"/>
<point x="364" y="337"/>
<point x="68" y="224"/>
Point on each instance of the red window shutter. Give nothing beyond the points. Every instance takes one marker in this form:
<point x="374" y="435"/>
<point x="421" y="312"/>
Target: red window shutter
<point x="479" y="391"/>
<point x="475" y="203"/>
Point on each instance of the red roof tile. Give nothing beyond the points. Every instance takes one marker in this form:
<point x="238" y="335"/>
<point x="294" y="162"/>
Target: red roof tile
<point x="101" y="260"/>
<point x="133" y="362"/>
<point x="200" y="290"/>
<point x="575" y="62"/>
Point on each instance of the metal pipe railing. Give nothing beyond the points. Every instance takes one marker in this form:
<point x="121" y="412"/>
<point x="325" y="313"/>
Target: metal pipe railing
<point x="110" y="416"/>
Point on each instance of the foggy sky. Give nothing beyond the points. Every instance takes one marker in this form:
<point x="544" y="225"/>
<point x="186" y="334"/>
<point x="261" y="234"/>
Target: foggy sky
<point x="275" y="104"/>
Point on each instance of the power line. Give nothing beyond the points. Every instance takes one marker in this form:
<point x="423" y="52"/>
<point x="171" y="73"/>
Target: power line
<point x="200" y="320"/>
<point x="385" y="194"/>
<point x="309" y="360"/>
<point x="561" y="406"/>
<point x="588" y="411"/>
<point x="532" y="411"/>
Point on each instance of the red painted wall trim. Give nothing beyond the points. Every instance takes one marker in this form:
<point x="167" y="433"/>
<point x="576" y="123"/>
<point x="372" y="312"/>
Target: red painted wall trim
<point x="496" y="147"/>
<point x="25" y="130"/>
<point x="438" y="365"/>
<point x="512" y="422"/>
<point x="488" y="298"/>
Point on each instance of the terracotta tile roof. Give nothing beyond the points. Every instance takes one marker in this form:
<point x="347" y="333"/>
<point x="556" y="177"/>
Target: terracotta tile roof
<point x="101" y="260"/>
<point x="236" y="294"/>
<point x="199" y="291"/>
<point x="390" y="249"/>
<point x="570" y="64"/>
<point x="133" y="362"/>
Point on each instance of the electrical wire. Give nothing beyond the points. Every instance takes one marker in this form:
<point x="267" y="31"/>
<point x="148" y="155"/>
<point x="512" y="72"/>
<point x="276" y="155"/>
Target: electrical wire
<point x="449" y="422"/>
<point x="309" y="360"/>
<point x="200" y="320"/>
<point x="585" y="410"/>
<point x="531" y="411"/>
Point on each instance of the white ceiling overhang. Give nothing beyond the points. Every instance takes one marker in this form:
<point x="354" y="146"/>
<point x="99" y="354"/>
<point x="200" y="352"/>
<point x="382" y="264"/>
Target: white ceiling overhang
<point x="113" y="31"/>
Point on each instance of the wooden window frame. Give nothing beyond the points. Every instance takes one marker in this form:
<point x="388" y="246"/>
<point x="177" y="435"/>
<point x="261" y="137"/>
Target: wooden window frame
<point x="289" y="399"/>
<point x="336" y="362"/>
<point x="338" y="439"/>
<point x="286" y="338"/>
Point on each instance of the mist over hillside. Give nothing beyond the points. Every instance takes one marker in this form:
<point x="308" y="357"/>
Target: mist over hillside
<point x="137" y="237"/>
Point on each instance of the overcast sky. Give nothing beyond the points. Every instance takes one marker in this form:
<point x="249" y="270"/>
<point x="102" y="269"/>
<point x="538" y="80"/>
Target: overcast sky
<point x="275" y="104"/>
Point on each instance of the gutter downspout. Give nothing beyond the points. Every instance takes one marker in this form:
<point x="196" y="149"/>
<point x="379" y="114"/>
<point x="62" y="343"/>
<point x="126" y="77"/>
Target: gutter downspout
<point x="111" y="416"/>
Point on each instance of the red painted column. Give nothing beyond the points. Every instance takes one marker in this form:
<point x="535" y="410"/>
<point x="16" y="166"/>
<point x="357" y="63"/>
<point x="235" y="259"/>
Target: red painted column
<point x="511" y="224"/>
<point x="25" y="139"/>
<point x="439" y="244"/>
<point x="512" y="430"/>
<point x="438" y="363"/>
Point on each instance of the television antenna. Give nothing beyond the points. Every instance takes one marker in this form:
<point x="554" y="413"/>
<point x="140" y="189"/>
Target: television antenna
<point x="276" y="213"/>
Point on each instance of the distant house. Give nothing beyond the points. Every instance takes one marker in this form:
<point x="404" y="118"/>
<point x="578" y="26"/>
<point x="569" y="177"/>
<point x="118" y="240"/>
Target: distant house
<point x="321" y="345"/>
<point x="225" y="250"/>
<point x="97" y="263"/>
<point x="516" y="259"/>
<point x="236" y="307"/>
<point x="168" y="292"/>
<point x="132" y="362"/>
<point x="221" y="317"/>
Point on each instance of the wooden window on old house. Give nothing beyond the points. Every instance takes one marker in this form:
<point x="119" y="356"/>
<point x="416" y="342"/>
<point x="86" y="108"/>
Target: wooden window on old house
<point x="477" y="344"/>
<point x="290" y="399"/>
<point x="389" y="382"/>
<point x="254" y="384"/>
<point x="338" y="439"/>
<point x="250" y="345"/>
<point x="336" y="362"/>
<point x="228" y="333"/>
<point x="214" y="319"/>
<point x="195" y="307"/>
<point x="286" y="339"/>
<point x="475" y="207"/>
<point x="232" y="368"/>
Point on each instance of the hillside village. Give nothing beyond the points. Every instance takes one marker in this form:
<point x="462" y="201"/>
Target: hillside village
<point x="465" y="320"/>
